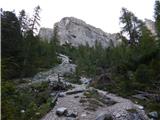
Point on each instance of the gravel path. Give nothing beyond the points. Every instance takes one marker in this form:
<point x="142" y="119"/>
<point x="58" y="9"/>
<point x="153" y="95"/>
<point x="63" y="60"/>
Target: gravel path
<point x="72" y="102"/>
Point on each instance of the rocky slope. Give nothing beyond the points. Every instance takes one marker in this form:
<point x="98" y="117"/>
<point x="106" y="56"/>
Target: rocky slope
<point x="79" y="107"/>
<point x="77" y="32"/>
<point x="82" y="102"/>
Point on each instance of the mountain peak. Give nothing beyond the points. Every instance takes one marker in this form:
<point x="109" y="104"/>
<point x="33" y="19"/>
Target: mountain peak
<point x="77" y="32"/>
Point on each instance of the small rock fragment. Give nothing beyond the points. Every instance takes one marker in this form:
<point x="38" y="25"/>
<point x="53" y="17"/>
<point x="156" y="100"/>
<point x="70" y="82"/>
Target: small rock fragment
<point x="53" y="94"/>
<point x="83" y="115"/>
<point x="76" y="96"/>
<point x="70" y="118"/>
<point x="62" y="94"/>
<point x="22" y="111"/>
<point x="118" y="115"/>
<point x="140" y="107"/>
<point x="72" y="114"/>
<point x="37" y="113"/>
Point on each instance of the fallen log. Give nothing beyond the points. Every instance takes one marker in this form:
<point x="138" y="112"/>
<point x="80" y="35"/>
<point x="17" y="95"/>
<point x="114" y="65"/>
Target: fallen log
<point x="54" y="100"/>
<point x="75" y="91"/>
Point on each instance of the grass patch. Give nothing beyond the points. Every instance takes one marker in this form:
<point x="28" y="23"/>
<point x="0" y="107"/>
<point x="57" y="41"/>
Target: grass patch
<point x="132" y="110"/>
<point x="93" y="100"/>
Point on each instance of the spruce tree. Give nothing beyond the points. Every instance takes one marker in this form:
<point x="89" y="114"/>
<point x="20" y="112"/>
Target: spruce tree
<point x="34" y="22"/>
<point x="131" y="26"/>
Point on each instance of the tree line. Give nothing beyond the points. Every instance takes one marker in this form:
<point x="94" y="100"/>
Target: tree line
<point x="23" y="52"/>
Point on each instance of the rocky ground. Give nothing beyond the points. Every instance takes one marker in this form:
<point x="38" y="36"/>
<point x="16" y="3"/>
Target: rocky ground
<point x="86" y="103"/>
<point x="77" y="107"/>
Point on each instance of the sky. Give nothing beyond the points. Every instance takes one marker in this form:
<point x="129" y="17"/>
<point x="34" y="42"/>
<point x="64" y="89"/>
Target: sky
<point x="102" y="14"/>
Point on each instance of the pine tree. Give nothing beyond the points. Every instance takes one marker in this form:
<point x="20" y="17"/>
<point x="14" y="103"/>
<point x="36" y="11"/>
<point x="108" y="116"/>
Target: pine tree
<point x="131" y="26"/>
<point x="30" y="41"/>
<point x="34" y="22"/>
<point x="24" y="22"/>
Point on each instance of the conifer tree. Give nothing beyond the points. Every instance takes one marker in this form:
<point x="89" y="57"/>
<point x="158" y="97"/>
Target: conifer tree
<point x="23" y="21"/>
<point x="34" y="22"/>
<point x="131" y="26"/>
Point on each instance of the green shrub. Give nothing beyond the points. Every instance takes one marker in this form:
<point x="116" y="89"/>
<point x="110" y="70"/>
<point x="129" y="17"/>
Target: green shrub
<point x="143" y="74"/>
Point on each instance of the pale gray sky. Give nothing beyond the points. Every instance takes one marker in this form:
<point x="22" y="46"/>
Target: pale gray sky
<point x="102" y="14"/>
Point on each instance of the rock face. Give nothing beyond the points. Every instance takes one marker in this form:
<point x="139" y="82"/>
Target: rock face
<point x="76" y="32"/>
<point x="46" y="34"/>
<point x="151" y="26"/>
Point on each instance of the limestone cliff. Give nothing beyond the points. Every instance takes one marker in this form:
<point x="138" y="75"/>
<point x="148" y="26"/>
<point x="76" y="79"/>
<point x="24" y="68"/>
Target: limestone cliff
<point x="151" y="26"/>
<point x="77" y="32"/>
<point x="46" y="33"/>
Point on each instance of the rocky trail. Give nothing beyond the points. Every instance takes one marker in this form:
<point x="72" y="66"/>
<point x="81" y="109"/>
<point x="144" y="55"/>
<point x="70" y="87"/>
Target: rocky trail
<point x="86" y="103"/>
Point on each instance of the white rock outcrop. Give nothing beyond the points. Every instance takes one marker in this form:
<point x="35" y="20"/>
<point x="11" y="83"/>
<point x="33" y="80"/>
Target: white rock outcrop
<point x="46" y="33"/>
<point x="76" y="32"/>
<point x="151" y="26"/>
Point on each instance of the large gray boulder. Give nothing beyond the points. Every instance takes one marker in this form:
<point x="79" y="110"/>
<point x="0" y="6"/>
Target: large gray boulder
<point x="76" y="32"/>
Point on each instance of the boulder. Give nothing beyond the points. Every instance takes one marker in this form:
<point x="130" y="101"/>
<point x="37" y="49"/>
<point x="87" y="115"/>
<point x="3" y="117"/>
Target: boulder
<point x="153" y="114"/>
<point x="61" y="111"/>
<point x="72" y="114"/>
<point x="104" y="116"/>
